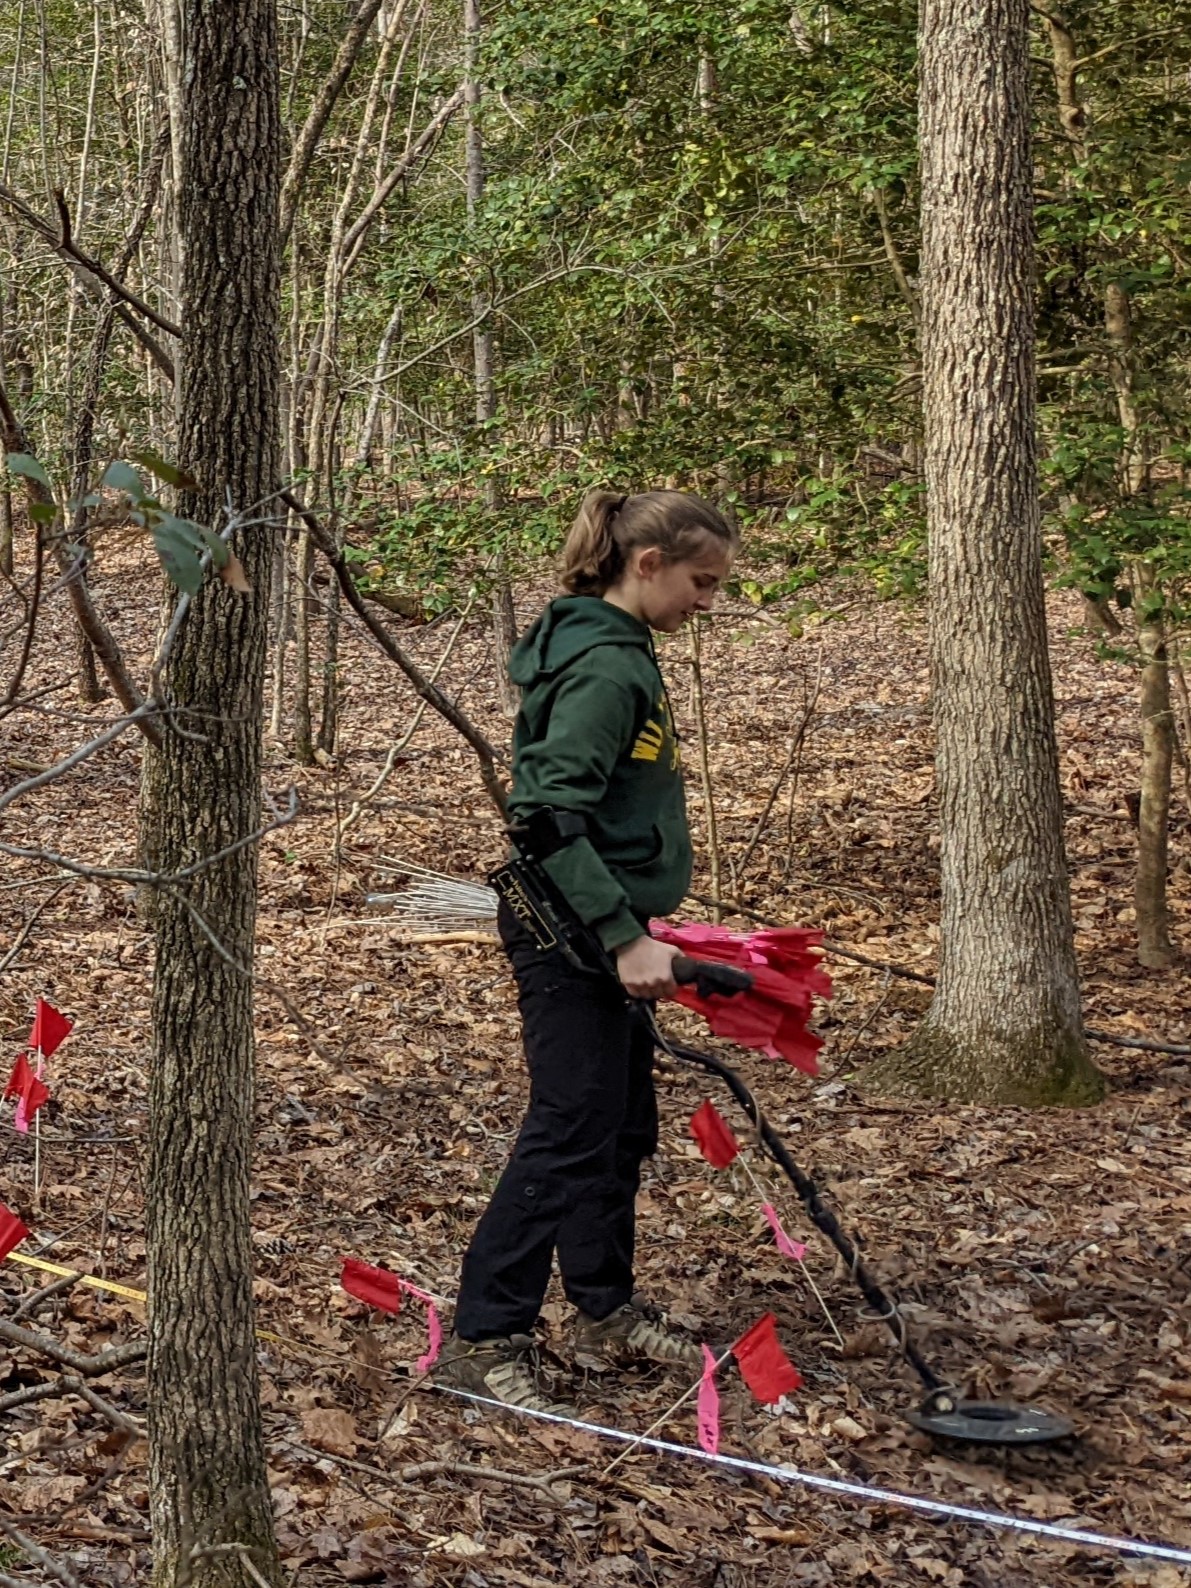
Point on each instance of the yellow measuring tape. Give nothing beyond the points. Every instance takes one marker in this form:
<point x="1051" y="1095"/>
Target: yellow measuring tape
<point x="83" y="1279"/>
<point x="130" y="1294"/>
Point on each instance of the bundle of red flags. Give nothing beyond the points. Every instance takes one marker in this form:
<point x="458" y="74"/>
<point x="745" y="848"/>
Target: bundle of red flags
<point x="787" y="977"/>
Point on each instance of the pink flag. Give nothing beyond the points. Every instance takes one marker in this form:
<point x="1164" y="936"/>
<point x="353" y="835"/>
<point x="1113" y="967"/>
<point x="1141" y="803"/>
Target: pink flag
<point x="785" y="1245"/>
<point x="764" y="1366"/>
<point x="709" y="1406"/>
<point x="433" y="1330"/>
<point x="376" y="1287"/>
<point x="22" y="1073"/>
<point x="711" y="1130"/>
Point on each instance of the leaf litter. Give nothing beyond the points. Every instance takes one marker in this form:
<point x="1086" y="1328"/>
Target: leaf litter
<point x="1039" y="1255"/>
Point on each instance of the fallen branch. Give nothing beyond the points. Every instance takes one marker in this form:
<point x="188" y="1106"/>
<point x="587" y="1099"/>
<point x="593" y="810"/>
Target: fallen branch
<point x="89" y="1366"/>
<point x="23" y="936"/>
<point x="415" y="1471"/>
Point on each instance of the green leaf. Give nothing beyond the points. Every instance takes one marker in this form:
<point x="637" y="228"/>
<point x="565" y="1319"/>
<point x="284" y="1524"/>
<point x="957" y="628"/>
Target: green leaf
<point x="169" y="472"/>
<point x="22" y="463"/>
<point x="43" y="512"/>
<point x="120" y="476"/>
<point x="178" y="553"/>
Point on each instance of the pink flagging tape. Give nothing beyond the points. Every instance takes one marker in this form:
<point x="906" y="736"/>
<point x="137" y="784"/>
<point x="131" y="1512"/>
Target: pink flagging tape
<point x="785" y="1245"/>
<point x="855" y="1491"/>
<point x="709" y="1405"/>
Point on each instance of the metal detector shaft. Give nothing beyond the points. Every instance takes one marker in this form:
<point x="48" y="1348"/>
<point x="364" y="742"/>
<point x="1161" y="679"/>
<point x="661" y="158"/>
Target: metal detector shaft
<point x="820" y="1215"/>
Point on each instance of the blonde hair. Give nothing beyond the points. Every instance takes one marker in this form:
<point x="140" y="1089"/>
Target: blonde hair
<point x="609" y="527"/>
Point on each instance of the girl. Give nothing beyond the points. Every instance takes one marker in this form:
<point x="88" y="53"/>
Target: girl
<point x="594" y="746"/>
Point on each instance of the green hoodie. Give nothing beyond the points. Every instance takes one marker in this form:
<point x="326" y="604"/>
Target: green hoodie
<point x="595" y="735"/>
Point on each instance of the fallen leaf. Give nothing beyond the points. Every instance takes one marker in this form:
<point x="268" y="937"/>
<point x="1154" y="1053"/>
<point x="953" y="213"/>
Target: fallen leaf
<point x="330" y="1428"/>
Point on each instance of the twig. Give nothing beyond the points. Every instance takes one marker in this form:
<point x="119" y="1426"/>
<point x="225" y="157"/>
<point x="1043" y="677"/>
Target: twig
<point x="713" y="837"/>
<point x="868" y="1020"/>
<point x="152" y="879"/>
<point x="427" y="1469"/>
<point x="488" y="755"/>
<point x="114" y="1415"/>
<point x="395" y="750"/>
<point x="795" y="748"/>
<point x="23" y="937"/>
<point x="35" y="1301"/>
<point x="204" y="1551"/>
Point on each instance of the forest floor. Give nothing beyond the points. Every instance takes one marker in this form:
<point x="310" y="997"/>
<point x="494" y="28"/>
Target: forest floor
<point x="1039" y="1254"/>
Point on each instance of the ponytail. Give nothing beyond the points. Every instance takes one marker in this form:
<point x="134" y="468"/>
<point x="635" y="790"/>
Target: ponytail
<point x="609" y="526"/>
<point x="591" y="559"/>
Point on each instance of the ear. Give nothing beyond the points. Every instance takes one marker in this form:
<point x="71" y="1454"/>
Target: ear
<point x="648" y="561"/>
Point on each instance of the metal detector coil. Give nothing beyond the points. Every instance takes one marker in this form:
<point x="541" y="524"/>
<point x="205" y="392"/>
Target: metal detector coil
<point x="988" y="1422"/>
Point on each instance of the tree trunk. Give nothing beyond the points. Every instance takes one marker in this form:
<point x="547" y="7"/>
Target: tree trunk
<point x="1004" y="1025"/>
<point x="6" y="532"/>
<point x="1154" y="945"/>
<point x="504" y="620"/>
<point x="210" y="1506"/>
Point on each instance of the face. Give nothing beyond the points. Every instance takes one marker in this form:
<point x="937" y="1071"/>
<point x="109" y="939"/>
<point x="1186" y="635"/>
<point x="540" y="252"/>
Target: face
<point x="671" y="592"/>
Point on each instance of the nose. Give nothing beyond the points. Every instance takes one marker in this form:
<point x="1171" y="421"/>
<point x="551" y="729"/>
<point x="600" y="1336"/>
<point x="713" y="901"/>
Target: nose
<point x="703" y="601"/>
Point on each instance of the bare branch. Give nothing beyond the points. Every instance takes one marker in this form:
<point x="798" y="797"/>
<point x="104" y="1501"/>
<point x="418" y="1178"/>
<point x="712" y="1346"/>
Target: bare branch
<point x="420" y="146"/>
<point x="320" y="111"/>
<point x="488" y="755"/>
<point x="137" y="875"/>
<point x="82" y="263"/>
<point x="76" y="757"/>
<point x="56" y="1568"/>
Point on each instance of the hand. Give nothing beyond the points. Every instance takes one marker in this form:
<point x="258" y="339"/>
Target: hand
<point x="645" y="968"/>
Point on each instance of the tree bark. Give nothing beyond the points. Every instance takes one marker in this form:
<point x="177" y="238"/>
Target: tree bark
<point x="208" y="1480"/>
<point x="1004" y="1025"/>
<point x="1155" y="948"/>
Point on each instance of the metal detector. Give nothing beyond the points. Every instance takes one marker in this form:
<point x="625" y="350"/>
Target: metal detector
<point x="529" y="892"/>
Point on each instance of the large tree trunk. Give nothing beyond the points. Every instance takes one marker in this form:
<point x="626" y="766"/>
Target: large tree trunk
<point x="1004" y="1024"/>
<point x="207" y="1465"/>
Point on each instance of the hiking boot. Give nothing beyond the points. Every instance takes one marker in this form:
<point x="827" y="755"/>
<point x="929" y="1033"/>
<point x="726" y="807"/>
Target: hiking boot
<point x="503" y="1369"/>
<point x="633" y="1333"/>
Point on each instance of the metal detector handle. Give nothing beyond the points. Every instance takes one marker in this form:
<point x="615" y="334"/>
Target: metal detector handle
<point x="708" y="977"/>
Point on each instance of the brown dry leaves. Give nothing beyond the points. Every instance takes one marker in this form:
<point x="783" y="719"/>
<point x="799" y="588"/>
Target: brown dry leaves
<point x="1039" y="1255"/>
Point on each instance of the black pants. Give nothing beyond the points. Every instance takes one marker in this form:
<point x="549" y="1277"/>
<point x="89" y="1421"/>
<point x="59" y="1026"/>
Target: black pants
<point x="571" y="1184"/>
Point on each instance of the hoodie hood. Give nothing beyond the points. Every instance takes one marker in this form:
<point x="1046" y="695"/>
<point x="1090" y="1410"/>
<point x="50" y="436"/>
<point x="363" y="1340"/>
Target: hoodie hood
<point x="569" y="627"/>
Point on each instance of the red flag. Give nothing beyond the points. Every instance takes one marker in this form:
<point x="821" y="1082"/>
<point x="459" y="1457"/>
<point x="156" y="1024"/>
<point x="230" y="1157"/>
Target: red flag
<point x="50" y="1029"/>
<point x="12" y="1231"/>
<point x="22" y="1074"/>
<point x="716" y="1141"/>
<point x="764" y="1366"/>
<point x="33" y="1095"/>
<point x="379" y="1287"/>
